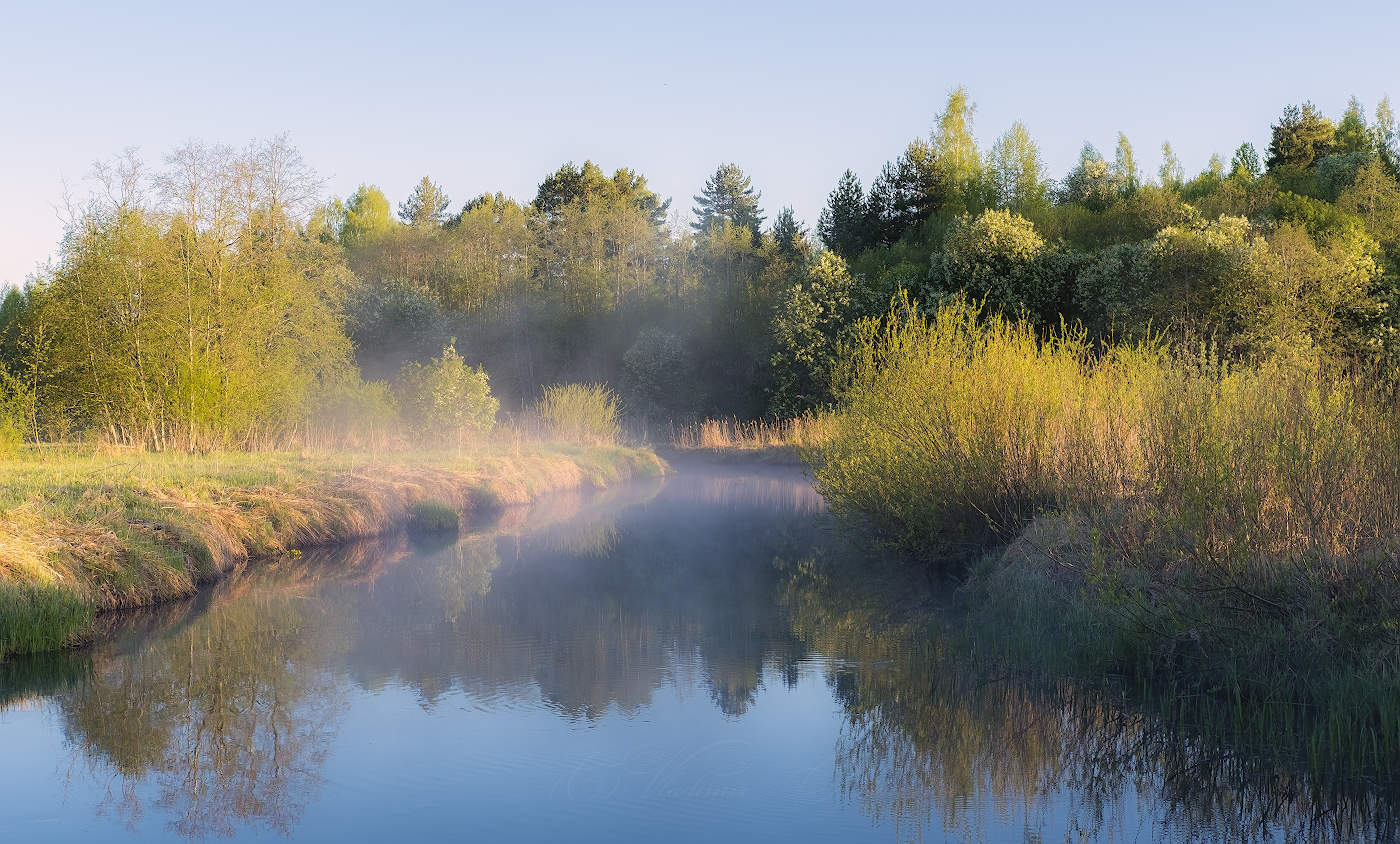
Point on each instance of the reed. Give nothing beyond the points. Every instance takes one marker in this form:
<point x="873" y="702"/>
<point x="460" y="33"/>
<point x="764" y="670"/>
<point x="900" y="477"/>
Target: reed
<point x="735" y="434"/>
<point x="587" y="414"/>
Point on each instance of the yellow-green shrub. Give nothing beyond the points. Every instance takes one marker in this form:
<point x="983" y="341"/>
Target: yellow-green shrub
<point x="580" y="413"/>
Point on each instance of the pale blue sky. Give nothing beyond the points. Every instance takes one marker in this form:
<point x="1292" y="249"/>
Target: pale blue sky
<point x="495" y="96"/>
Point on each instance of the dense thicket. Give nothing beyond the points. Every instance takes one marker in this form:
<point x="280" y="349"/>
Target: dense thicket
<point x="214" y="303"/>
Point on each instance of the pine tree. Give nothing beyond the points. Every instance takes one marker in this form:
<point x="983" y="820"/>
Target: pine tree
<point x="1300" y="138"/>
<point x="907" y="192"/>
<point x="728" y="196"/>
<point x="1353" y="135"/>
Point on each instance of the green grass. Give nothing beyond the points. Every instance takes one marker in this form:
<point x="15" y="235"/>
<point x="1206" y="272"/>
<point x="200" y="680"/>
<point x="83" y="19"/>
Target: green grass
<point x="431" y="517"/>
<point x="40" y="618"/>
<point x="84" y="531"/>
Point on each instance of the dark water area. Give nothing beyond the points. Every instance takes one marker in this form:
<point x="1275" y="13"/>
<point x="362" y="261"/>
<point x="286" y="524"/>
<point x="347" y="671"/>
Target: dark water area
<point x="688" y="659"/>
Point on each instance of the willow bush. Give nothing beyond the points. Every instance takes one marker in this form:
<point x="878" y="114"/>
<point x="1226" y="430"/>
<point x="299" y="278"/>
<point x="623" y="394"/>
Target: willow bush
<point x="1228" y="524"/>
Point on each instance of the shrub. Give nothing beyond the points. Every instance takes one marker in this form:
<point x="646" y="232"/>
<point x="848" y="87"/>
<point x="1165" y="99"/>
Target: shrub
<point x="1232" y="527"/>
<point x="586" y="414"/>
<point x="447" y="399"/>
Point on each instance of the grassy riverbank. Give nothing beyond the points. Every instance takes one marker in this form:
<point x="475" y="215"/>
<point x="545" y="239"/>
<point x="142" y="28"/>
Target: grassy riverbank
<point x="84" y="533"/>
<point x="1222" y="536"/>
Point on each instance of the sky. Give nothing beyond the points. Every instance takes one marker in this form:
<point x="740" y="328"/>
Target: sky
<point x="495" y="96"/>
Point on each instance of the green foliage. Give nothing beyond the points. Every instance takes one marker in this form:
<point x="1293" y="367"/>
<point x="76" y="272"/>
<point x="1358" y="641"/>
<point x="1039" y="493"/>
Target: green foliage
<point x="1125" y="169"/>
<point x="996" y="256"/>
<point x="366" y="217"/>
<point x="790" y="236"/>
<point x="1245" y="163"/>
<point x="561" y="289"/>
<point x="583" y="186"/>
<point x="1300" y="138"/>
<point x="1171" y="456"/>
<point x="1374" y="197"/>
<point x="393" y="323"/>
<point x="1016" y="172"/>
<point x="1171" y="175"/>
<point x="1092" y="183"/>
<point x="187" y="323"/>
<point x="955" y="150"/>
<point x="908" y="191"/>
<point x="805" y="329"/>
<point x="842" y="226"/>
<point x="447" y="398"/>
<point x="1353" y="135"/>
<point x="586" y="414"/>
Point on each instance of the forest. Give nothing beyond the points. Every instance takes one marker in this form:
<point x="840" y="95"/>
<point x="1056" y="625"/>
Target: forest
<point x="215" y="300"/>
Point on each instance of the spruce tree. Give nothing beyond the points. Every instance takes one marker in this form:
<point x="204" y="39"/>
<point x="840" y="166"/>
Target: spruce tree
<point x="842" y="225"/>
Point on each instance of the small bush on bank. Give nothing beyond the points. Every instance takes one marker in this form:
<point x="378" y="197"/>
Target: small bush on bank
<point x="448" y="400"/>
<point x="586" y="414"/>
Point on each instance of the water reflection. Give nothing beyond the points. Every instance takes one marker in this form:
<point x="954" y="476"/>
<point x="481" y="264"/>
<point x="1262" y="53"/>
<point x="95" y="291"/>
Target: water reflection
<point x="228" y="714"/>
<point x="934" y="734"/>
<point x="218" y="716"/>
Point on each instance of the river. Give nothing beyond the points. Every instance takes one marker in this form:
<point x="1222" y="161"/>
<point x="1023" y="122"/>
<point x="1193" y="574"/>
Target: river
<point x="700" y="658"/>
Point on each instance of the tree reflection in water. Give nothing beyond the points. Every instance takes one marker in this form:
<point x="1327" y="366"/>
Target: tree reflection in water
<point x="219" y="713"/>
<point x="936" y="731"/>
<point x="230" y="716"/>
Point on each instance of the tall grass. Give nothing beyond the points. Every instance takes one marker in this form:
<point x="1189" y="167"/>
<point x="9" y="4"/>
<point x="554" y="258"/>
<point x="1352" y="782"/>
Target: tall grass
<point x="1232" y="529"/>
<point x="797" y="432"/>
<point x="586" y="414"/>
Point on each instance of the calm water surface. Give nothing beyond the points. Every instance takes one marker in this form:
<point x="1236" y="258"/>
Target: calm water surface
<point x="697" y="659"/>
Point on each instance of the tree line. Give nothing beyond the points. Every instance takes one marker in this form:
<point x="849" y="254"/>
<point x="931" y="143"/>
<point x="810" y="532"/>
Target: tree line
<point x="217" y="301"/>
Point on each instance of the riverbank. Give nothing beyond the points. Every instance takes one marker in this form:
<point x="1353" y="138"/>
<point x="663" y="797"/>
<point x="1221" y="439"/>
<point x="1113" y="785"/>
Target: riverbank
<point x="83" y="534"/>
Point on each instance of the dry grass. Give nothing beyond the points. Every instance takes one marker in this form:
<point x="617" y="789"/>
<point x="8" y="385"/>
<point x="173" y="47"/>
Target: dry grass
<point x="734" y="434"/>
<point x="106" y="531"/>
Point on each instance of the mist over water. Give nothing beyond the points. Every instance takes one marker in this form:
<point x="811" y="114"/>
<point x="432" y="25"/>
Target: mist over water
<point x="683" y="659"/>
